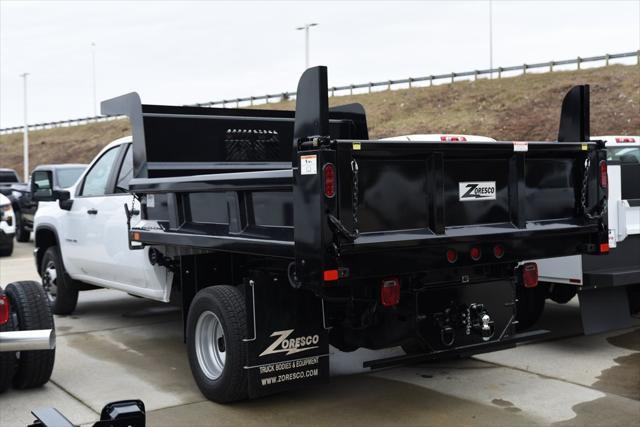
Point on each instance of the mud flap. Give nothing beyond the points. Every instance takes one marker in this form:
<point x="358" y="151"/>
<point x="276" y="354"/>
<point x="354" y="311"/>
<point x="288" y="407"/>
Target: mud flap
<point x="604" y="309"/>
<point x="288" y="344"/>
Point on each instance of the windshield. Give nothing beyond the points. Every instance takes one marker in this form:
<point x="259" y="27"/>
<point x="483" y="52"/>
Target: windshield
<point x="624" y="154"/>
<point x="8" y="176"/>
<point x="68" y="176"/>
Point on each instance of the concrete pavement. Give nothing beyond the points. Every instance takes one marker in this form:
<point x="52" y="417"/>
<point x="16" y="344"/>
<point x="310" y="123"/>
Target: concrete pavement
<point x="116" y="346"/>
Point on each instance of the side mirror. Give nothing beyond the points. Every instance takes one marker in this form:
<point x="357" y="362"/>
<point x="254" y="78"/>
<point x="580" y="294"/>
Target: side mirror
<point x="64" y="199"/>
<point x="42" y="186"/>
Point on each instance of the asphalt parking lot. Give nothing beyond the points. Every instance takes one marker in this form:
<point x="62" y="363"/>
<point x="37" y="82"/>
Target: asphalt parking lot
<point x="116" y="347"/>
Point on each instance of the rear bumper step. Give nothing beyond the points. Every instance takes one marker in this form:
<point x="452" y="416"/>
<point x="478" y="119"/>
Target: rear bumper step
<point x="460" y="351"/>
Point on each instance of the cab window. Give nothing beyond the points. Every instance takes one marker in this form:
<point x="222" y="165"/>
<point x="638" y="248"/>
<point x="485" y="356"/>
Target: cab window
<point x="126" y="172"/>
<point x="97" y="179"/>
<point x="624" y="154"/>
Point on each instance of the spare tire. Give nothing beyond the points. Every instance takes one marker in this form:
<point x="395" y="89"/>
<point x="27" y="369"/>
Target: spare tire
<point x="30" y="303"/>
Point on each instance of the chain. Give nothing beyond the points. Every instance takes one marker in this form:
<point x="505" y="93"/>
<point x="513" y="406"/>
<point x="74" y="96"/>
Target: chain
<point x="339" y="226"/>
<point x="583" y="199"/>
<point x="354" y="196"/>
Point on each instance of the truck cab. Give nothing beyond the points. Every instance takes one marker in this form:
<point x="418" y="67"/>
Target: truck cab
<point x="8" y="177"/>
<point x="82" y="240"/>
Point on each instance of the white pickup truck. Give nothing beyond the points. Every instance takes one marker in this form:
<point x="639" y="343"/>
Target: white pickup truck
<point x="609" y="286"/>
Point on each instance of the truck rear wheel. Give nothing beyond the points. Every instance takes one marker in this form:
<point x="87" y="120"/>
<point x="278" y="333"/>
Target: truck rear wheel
<point x="22" y="235"/>
<point x="7" y="360"/>
<point x="216" y="326"/>
<point x="30" y="304"/>
<point x="60" y="289"/>
<point x="530" y="305"/>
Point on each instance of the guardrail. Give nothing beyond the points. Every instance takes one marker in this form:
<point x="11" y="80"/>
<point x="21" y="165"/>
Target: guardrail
<point x="335" y="90"/>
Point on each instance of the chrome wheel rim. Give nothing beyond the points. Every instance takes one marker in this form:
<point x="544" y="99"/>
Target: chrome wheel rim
<point x="49" y="281"/>
<point x="210" y="345"/>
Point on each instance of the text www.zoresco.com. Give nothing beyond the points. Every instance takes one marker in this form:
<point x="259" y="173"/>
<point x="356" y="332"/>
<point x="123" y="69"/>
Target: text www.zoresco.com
<point x="290" y="377"/>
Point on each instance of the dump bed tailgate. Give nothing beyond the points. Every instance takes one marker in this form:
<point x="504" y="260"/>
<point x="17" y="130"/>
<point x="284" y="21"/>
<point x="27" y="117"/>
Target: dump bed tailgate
<point x="439" y="188"/>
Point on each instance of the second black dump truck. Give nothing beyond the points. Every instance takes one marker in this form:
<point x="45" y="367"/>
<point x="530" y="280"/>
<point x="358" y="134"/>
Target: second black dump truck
<point x="287" y="232"/>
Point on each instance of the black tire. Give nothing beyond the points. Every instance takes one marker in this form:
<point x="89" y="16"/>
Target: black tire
<point x="561" y="293"/>
<point x="228" y="305"/>
<point x="29" y="302"/>
<point x="22" y="235"/>
<point x="414" y="346"/>
<point x="7" y="249"/>
<point x="530" y="305"/>
<point x="62" y="291"/>
<point x="7" y="360"/>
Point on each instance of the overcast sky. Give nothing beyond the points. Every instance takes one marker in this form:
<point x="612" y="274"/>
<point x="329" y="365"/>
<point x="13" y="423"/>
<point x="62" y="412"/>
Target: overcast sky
<point x="185" y="52"/>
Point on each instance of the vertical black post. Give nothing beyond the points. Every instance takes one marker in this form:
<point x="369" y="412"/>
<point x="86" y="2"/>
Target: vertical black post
<point x="311" y="228"/>
<point x="574" y="118"/>
<point x="312" y="105"/>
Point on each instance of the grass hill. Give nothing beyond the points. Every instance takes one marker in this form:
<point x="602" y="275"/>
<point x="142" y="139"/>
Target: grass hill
<point x="525" y="107"/>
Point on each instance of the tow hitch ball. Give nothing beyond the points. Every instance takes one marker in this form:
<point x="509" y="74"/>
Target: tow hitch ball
<point x="480" y="322"/>
<point x="470" y="319"/>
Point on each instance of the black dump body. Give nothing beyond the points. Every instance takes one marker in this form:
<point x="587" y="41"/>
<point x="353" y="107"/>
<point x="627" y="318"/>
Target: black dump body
<point x="335" y="238"/>
<point x="222" y="179"/>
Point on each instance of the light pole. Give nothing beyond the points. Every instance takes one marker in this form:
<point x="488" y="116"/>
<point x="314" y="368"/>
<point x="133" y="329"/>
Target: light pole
<point x="491" y="37"/>
<point x="93" y="74"/>
<point x="306" y="27"/>
<point x="25" y="140"/>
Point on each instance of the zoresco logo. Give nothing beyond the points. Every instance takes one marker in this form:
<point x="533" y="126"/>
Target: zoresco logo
<point x="474" y="191"/>
<point x="284" y="344"/>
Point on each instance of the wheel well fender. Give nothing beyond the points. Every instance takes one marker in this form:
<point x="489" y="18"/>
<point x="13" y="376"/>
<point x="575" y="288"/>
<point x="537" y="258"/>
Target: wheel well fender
<point x="45" y="237"/>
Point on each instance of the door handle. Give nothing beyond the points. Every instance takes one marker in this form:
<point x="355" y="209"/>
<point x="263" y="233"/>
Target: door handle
<point x="92" y="211"/>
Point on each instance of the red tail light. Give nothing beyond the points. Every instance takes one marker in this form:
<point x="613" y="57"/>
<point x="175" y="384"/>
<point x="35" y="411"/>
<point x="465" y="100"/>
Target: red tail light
<point x="329" y="172"/>
<point x="330" y="275"/>
<point x="452" y="256"/>
<point x="4" y="309"/>
<point x="625" y="139"/>
<point x="604" y="179"/>
<point x="498" y="251"/>
<point x="390" y="292"/>
<point x="604" y="248"/>
<point x="530" y="275"/>
<point x="475" y="253"/>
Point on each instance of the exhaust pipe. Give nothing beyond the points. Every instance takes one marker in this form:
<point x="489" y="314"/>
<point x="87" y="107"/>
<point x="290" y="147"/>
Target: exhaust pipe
<point x="40" y="339"/>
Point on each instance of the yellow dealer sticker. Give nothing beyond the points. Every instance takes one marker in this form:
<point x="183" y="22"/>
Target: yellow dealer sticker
<point x="356" y="146"/>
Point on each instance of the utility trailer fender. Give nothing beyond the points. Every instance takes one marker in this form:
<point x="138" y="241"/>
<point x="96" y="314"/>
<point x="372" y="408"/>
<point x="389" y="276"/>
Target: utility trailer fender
<point x="289" y="231"/>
